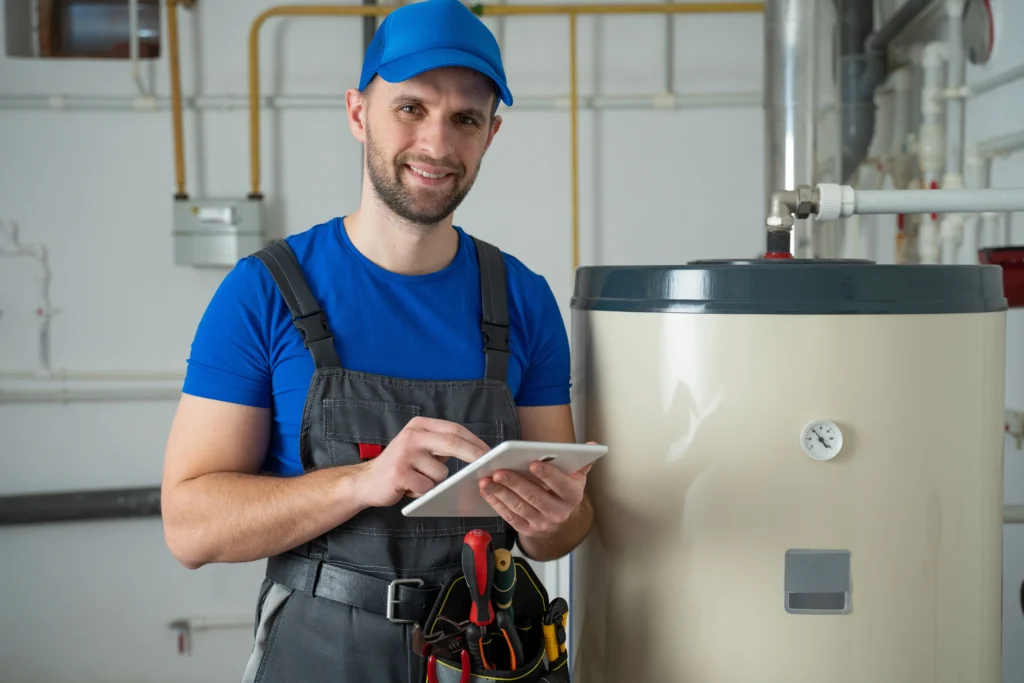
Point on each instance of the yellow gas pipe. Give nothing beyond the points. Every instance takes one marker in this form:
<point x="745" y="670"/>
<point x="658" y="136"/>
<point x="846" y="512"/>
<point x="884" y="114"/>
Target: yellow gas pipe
<point x="571" y="11"/>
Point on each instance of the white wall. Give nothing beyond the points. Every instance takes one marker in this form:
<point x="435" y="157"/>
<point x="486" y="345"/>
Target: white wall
<point x="91" y="601"/>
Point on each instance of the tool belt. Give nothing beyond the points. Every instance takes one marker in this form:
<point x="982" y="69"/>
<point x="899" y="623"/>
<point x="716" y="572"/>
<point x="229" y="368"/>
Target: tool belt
<point x="525" y="642"/>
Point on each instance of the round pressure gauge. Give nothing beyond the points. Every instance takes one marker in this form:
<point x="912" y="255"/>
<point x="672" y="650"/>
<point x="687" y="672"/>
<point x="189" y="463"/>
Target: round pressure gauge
<point x="821" y="439"/>
<point x="978" y="30"/>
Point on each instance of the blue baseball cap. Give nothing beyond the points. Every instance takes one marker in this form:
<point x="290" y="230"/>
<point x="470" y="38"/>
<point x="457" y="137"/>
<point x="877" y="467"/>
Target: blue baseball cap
<point x="430" y="34"/>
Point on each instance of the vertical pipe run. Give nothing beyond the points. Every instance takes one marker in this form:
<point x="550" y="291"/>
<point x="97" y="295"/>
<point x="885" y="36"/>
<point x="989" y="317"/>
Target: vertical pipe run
<point x="801" y="101"/>
<point x="955" y="105"/>
<point x="176" y="113"/>
<point x="670" y="53"/>
<point x="573" y="135"/>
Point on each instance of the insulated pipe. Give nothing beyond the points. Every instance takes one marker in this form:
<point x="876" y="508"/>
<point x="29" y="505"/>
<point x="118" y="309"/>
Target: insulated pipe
<point x="793" y="104"/>
<point x="482" y="10"/>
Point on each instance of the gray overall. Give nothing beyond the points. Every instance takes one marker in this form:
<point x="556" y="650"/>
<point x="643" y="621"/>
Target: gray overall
<point x="341" y="607"/>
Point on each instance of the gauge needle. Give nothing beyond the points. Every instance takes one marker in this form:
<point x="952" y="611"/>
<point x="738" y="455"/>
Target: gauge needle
<point x="819" y="438"/>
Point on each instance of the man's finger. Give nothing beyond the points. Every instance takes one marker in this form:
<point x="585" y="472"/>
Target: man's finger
<point x="534" y="495"/>
<point x="449" y="445"/>
<point x="515" y="503"/>
<point x="430" y="466"/>
<point x="519" y="523"/>
<point x="431" y="424"/>
<point x="563" y="485"/>
<point x="416" y="484"/>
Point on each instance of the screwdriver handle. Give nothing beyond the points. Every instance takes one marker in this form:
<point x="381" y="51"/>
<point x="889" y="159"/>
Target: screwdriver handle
<point x="478" y="567"/>
<point x="504" y="580"/>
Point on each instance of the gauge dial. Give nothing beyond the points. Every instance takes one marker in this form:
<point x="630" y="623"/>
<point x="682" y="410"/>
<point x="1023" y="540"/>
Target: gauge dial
<point x="821" y="439"/>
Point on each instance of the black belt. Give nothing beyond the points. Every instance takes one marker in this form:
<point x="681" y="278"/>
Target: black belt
<point x="402" y="601"/>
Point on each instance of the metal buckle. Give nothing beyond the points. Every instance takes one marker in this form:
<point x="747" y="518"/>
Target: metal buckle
<point x="391" y="602"/>
<point x="496" y="337"/>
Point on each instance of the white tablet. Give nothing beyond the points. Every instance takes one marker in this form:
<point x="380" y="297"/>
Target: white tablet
<point x="459" y="494"/>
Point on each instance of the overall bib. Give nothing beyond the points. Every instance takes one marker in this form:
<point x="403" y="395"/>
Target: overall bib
<point x="342" y="607"/>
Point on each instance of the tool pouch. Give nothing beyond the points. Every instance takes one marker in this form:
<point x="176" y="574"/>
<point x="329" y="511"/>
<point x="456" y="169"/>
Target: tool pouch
<point x="530" y="606"/>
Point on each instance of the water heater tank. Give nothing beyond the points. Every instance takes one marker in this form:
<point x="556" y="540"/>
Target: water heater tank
<point x="804" y="482"/>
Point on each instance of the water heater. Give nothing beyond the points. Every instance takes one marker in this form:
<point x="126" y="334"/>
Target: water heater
<point x="804" y="481"/>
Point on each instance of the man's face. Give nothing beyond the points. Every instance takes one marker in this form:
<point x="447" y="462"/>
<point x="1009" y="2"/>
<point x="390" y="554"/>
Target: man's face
<point x="425" y="139"/>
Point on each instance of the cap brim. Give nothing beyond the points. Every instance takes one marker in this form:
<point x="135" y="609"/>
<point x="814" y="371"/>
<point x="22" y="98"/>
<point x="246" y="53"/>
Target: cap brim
<point x="406" y="67"/>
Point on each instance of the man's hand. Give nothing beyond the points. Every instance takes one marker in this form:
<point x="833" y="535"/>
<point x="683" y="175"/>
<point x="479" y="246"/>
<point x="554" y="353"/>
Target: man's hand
<point x="413" y="463"/>
<point x="535" y="506"/>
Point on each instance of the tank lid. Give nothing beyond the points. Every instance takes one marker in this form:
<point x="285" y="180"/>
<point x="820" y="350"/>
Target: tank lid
<point x="791" y="286"/>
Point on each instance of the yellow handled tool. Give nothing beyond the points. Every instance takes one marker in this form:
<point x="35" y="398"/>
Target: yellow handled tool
<point x="554" y="624"/>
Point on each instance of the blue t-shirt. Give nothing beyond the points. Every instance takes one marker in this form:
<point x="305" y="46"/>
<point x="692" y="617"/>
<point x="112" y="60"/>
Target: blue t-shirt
<point x="246" y="349"/>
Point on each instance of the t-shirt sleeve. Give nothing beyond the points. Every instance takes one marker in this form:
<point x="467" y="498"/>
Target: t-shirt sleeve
<point x="229" y="360"/>
<point x="546" y="378"/>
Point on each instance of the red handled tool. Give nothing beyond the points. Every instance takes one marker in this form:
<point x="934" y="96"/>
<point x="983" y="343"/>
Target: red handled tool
<point x="432" y="668"/>
<point x="478" y="568"/>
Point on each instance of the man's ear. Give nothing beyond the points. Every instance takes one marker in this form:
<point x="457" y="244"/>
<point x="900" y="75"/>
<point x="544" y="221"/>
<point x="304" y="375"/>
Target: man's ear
<point x="356" y="105"/>
<point x="495" y="126"/>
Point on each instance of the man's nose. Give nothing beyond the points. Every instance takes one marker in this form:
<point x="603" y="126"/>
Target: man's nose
<point x="436" y="138"/>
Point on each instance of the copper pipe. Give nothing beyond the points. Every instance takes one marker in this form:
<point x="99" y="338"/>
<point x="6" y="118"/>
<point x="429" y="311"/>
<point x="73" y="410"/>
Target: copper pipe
<point x="572" y="11"/>
<point x="488" y="10"/>
<point x="179" y="149"/>
<point x="685" y="8"/>
<point x="573" y="141"/>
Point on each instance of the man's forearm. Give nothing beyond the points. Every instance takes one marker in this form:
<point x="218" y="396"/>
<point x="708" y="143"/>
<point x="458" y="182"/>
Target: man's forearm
<point x="233" y="517"/>
<point x="563" y="540"/>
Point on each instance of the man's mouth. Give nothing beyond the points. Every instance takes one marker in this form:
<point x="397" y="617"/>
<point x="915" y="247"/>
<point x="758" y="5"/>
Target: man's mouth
<point x="431" y="175"/>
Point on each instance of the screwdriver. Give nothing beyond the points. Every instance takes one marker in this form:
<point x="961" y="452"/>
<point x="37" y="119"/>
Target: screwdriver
<point x="478" y="568"/>
<point x="504" y="581"/>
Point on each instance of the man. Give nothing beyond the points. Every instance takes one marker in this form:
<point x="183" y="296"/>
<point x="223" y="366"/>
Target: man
<point x="336" y="377"/>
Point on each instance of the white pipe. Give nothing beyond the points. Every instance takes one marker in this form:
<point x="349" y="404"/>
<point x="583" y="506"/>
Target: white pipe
<point x="842" y="201"/>
<point x="133" y="45"/>
<point x="955" y="108"/>
<point x="994" y="82"/>
<point x="975" y="178"/>
<point x="70" y="376"/>
<point x="201" y="623"/>
<point x="898" y="161"/>
<point x="670" y="52"/>
<point x="1001" y="145"/>
<point x="69" y="395"/>
<point x="992" y="229"/>
<point x="241" y="102"/>
<point x="11" y="246"/>
<point x="951" y="226"/>
<point x="932" y="145"/>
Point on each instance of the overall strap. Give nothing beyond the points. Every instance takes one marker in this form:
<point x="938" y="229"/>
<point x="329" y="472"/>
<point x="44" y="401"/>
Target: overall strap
<point x="306" y="314"/>
<point x="494" y="300"/>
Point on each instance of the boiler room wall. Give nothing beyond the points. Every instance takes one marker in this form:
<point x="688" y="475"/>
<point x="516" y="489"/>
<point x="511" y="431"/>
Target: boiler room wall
<point x="92" y="601"/>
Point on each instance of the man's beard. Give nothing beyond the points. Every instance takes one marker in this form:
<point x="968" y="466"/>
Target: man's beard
<point x="425" y="207"/>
